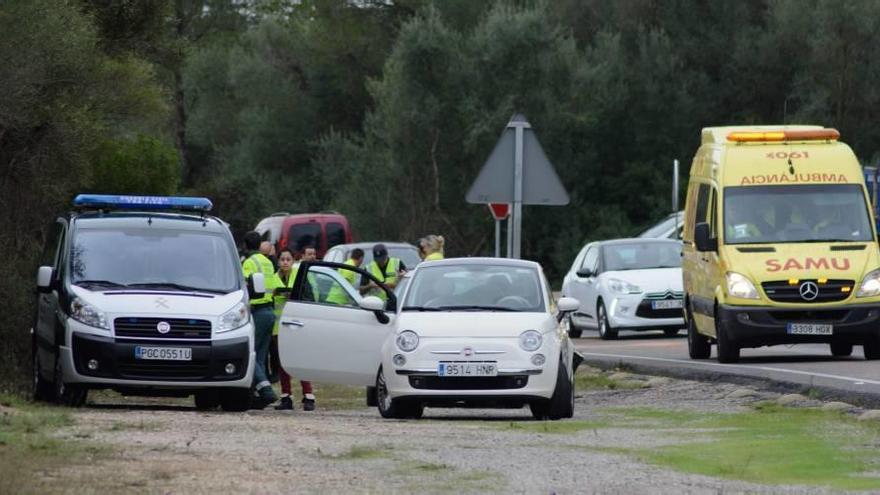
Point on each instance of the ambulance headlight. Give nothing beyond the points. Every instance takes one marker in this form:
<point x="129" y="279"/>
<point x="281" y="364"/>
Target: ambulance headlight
<point x="740" y="286"/>
<point x="236" y="317"/>
<point x="84" y="312"/>
<point x="870" y="285"/>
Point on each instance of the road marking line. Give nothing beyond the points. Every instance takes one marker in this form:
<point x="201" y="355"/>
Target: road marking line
<point x="856" y="381"/>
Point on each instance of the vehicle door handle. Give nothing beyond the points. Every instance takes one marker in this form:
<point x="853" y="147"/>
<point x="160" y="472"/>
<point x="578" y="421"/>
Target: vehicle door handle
<point x="292" y="323"/>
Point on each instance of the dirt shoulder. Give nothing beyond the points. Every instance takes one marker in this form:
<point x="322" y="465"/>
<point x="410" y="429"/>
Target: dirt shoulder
<point x="624" y="439"/>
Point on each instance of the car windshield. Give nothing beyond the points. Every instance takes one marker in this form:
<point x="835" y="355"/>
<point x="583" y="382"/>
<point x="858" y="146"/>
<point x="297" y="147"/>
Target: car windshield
<point x="475" y="287"/>
<point x="148" y="258"/>
<point x="800" y="213"/>
<point x="665" y="227"/>
<point x="642" y="255"/>
<point x="408" y="254"/>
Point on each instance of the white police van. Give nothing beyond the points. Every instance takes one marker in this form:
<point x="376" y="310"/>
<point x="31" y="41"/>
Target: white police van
<point x="143" y="295"/>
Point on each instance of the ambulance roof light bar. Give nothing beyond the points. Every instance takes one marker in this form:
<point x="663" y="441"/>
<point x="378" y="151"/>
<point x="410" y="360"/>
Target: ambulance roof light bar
<point x="112" y="201"/>
<point x="781" y="136"/>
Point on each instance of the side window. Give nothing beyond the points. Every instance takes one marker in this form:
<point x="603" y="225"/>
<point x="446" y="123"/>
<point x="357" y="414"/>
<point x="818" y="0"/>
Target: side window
<point x="591" y="259"/>
<point x="323" y="288"/>
<point x="50" y="247"/>
<point x="303" y="235"/>
<point x="702" y="203"/>
<point x="335" y="234"/>
<point x="713" y="233"/>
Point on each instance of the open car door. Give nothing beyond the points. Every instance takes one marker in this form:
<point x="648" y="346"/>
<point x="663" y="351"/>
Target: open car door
<point x="325" y="335"/>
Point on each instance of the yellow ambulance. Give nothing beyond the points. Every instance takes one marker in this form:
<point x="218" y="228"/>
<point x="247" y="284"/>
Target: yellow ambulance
<point x="779" y="244"/>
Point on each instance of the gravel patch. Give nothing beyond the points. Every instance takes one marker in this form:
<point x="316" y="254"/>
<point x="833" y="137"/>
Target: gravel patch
<point x="169" y="447"/>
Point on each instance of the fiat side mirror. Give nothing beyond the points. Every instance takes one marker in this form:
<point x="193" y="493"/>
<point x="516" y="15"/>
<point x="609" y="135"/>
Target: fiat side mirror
<point x="377" y="306"/>
<point x="585" y="273"/>
<point x="568" y="305"/>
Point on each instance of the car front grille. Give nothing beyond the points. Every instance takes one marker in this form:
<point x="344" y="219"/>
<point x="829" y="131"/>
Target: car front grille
<point x="469" y="383"/>
<point x="645" y="310"/>
<point x="181" y="328"/>
<point x="164" y="370"/>
<point x="828" y="290"/>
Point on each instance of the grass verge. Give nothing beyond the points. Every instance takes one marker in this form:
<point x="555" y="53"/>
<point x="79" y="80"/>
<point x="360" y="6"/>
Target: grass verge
<point x="771" y="445"/>
<point x="27" y="449"/>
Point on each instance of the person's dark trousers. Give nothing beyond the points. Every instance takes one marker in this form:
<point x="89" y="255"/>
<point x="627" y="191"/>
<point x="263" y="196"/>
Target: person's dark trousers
<point x="264" y="321"/>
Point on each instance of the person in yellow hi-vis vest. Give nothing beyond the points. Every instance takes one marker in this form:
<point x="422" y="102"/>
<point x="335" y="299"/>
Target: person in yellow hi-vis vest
<point x="386" y="269"/>
<point x="286" y="276"/>
<point x="432" y="247"/>
<point x="262" y="310"/>
<point x="356" y="260"/>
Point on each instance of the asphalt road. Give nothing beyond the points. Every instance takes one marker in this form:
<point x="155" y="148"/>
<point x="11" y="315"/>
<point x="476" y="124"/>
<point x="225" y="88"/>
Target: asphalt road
<point x="799" y="367"/>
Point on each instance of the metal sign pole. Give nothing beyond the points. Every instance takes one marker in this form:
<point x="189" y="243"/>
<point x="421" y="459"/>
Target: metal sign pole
<point x="509" y="237"/>
<point x="516" y="214"/>
<point x="675" y="193"/>
<point x="497" y="237"/>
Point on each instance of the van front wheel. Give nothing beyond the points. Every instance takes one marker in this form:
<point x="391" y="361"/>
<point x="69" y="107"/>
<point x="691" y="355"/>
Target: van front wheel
<point x="698" y="345"/>
<point x="728" y="352"/>
<point x="871" y="347"/>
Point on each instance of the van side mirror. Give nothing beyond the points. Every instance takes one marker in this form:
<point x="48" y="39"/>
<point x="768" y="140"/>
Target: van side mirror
<point x="702" y="240"/>
<point x="44" y="278"/>
<point x="585" y="273"/>
<point x="257" y="286"/>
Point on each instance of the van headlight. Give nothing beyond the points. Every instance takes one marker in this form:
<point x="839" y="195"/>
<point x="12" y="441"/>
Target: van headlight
<point x="530" y="340"/>
<point x="84" y="312"/>
<point x="407" y="341"/>
<point x="740" y="286"/>
<point x="870" y="285"/>
<point x="623" y="287"/>
<point x="236" y="317"/>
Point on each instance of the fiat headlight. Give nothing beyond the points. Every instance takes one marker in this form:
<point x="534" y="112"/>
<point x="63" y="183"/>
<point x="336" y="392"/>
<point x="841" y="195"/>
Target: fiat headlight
<point x="407" y="341"/>
<point x="84" y="312"/>
<point x="623" y="287"/>
<point x="530" y="340"/>
<point x="740" y="286"/>
<point x="870" y="285"/>
<point x="236" y="317"/>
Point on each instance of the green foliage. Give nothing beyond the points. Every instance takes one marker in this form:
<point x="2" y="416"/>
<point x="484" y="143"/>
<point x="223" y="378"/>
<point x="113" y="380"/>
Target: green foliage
<point x="145" y="165"/>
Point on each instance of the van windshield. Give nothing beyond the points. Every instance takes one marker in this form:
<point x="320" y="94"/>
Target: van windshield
<point x="800" y="213"/>
<point x="160" y="259"/>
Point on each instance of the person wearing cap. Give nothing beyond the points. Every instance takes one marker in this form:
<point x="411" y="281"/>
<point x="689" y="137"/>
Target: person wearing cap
<point x="262" y="311"/>
<point x="432" y="247"/>
<point x="386" y="269"/>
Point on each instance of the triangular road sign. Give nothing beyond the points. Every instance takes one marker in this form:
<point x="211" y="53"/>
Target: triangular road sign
<point x="495" y="183"/>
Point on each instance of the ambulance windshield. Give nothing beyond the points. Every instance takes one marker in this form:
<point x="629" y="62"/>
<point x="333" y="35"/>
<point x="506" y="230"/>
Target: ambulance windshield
<point x="798" y="213"/>
<point x="153" y="259"/>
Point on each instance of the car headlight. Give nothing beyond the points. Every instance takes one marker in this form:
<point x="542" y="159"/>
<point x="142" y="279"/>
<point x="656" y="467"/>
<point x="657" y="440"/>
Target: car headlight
<point x="84" y="312"/>
<point x="530" y="340"/>
<point x="236" y="317"/>
<point x="740" y="286"/>
<point x="623" y="287"/>
<point x="407" y="341"/>
<point x="870" y="285"/>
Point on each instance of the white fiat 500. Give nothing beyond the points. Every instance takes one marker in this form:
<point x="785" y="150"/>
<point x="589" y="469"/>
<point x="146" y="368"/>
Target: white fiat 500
<point x="474" y="332"/>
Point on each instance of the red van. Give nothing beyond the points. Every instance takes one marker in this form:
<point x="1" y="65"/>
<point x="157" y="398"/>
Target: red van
<point x="321" y="230"/>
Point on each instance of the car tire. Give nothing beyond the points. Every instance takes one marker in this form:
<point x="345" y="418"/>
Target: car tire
<point x="207" y="400"/>
<point x="727" y="351"/>
<point x="42" y="388"/>
<point x="698" y="345"/>
<point x="561" y="403"/>
<point x="67" y="394"/>
<point x="841" y="349"/>
<point x="605" y="330"/>
<point x="671" y="332"/>
<point x="235" y="399"/>
<point x="573" y="331"/>
<point x="371" y="397"/>
<point x="395" y="408"/>
<point x="871" y="346"/>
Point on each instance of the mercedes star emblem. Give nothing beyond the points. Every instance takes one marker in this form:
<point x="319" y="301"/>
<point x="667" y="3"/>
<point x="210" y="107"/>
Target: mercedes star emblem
<point x="809" y="291"/>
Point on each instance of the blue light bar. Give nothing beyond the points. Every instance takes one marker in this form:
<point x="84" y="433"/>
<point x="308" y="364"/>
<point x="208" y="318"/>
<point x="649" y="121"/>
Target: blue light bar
<point x="113" y="201"/>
